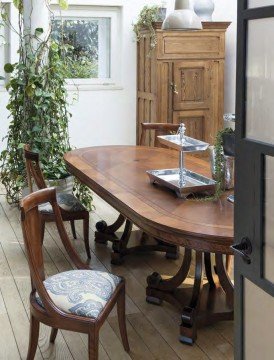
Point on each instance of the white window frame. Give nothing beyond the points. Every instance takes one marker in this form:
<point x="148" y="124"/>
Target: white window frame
<point x="92" y="11"/>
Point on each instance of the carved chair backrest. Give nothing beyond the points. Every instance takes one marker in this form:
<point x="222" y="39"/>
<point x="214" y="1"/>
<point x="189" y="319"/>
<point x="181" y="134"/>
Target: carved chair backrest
<point x="33" y="169"/>
<point x="31" y="226"/>
<point x="156" y="129"/>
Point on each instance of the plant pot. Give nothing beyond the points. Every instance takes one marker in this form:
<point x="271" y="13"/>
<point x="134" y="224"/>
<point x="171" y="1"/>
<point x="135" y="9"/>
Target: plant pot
<point x="229" y="169"/>
<point x="229" y="144"/>
<point x="62" y="185"/>
<point x="204" y="9"/>
<point x="161" y="14"/>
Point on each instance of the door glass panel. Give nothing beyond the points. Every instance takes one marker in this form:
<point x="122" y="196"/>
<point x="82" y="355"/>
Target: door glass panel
<point x="260" y="81"/>
<point x="258" y="320"/>
<point x="269" y="220"/>
<point x="260" y="3"/>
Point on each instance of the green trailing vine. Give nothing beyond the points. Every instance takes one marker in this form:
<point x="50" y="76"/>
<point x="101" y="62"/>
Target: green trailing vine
<point x="39" y="113"/>
<point x="219" y="169"/>
<point x="146" y="18"/>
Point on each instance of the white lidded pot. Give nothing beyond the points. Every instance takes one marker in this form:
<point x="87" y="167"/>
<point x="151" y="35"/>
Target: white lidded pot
<point x="183" y="18"/>
<point x="204" y="9"/>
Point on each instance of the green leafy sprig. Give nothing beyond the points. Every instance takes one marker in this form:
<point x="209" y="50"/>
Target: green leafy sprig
<point x="146" y="18"/>
<point x="219" y="169"/>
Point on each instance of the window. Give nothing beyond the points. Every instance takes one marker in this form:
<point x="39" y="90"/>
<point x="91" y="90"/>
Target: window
<point x="92" y="38"/>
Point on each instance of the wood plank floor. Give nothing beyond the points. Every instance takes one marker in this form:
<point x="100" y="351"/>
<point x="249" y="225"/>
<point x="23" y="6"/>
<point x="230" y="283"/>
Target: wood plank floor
<point x="153" y="331"/>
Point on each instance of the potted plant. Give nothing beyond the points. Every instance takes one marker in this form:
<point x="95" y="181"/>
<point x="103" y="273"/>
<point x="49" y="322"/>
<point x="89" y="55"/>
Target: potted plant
<point x="38" y="111"/>
<point x="146" y="21"/>
<point x="222" y="161"/>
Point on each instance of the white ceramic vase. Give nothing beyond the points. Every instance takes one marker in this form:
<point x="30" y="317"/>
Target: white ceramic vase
<point x="183" y="4"/>
<point x="204" y="9"/>
<point x="183" y="17"/>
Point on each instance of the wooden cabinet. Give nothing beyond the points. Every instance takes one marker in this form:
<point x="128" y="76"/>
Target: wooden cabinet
<point x="182" y="80"/>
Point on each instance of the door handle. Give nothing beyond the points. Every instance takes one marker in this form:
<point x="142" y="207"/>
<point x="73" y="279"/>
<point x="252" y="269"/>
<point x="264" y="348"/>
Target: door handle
<point x="244" y="249"/>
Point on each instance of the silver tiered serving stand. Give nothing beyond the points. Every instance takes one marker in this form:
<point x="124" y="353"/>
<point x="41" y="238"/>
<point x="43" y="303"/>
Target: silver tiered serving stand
<point x="184" y="182"/>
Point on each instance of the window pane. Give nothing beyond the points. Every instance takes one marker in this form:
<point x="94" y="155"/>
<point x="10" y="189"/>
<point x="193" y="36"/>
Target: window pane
<point x="259" y="3"/>
<point x="260" y="81"/>
<point x="269" y="220"/>
<point x="257" y="317"/>
<point x="88" y="46"/>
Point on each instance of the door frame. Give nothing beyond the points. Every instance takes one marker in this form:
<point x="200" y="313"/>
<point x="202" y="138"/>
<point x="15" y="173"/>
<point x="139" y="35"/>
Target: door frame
<point x="247" y="187"/>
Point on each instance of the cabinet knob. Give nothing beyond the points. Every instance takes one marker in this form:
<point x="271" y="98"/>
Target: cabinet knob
<point x="174" y="88"/>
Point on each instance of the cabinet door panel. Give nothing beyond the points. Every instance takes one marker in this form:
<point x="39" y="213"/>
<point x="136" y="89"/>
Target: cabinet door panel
<point x="192" y="85"/>
<point x="197" y="124"/>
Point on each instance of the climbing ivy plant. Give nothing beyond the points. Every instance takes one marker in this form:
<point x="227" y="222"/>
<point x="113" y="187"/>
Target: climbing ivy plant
<point x="146" y="18"/>
<point x="38" y="109"/>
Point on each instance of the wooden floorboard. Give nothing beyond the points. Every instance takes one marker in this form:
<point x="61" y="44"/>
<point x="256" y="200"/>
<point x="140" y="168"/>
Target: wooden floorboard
<point x="153" y="331"/>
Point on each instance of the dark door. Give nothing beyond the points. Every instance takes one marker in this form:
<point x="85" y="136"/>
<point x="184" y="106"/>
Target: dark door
<point x="254" y="207"/>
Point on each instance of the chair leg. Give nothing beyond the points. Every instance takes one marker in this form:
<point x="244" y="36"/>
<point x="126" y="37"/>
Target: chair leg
<point x="93" y="343"/>
<point x="86" y="235"/>
<point x="33" y="337"/>
<point x="53" y="335"/>
<point x="73" y="229"/>
<point x="121" y="311"/>
<point x="43" y="224"/>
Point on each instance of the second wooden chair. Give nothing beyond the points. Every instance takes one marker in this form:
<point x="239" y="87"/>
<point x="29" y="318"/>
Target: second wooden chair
<point x="71" y="208"/>
<point x="158" y="129"/>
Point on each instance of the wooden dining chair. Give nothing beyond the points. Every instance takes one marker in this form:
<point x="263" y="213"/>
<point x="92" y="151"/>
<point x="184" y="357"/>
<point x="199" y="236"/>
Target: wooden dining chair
<point x="157" y="129"/>
<point x="77" y="300"/>
<point x="71" y="208"/>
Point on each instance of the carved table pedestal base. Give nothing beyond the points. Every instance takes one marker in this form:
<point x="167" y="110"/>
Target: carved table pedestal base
<point x="201" y="304"/>
<point x="120" y="247"/>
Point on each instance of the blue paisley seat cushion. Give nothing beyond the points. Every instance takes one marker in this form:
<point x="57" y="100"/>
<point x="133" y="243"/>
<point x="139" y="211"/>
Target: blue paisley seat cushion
<point x="67" y="202"/>
<point x="81" y="292"/>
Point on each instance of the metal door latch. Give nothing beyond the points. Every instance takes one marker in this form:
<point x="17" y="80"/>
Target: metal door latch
<point x="244" y="249"/>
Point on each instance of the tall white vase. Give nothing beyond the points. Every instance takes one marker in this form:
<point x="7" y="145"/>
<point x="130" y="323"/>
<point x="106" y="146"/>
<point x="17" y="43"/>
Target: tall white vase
<point x="183" y="4"/>
<point x="204" y="9"/>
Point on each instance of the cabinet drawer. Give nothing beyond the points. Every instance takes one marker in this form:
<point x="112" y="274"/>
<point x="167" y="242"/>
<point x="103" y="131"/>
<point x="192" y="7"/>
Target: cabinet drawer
<point x="194" y="45"/>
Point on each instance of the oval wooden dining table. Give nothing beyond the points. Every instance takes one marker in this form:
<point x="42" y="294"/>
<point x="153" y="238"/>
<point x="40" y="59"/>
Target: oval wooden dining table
<point x="204" y="228"/>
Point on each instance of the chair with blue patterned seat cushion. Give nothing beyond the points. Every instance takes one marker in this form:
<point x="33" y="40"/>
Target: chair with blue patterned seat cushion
<point x="76" y="300"/>
<point x="71" y="208"/>
<point x="81" y="292"/>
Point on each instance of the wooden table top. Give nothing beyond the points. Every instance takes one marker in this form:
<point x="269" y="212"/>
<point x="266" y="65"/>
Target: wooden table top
<point x="118" y="175"/>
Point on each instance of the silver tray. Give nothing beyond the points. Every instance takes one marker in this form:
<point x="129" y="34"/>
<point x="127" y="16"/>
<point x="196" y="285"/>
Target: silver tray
<point x="195" y="183"/>
<point x="187" y="145"/>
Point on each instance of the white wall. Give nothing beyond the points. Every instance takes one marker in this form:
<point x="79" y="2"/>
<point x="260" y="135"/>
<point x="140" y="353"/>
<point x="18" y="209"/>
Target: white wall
<point x="226" y="10"/>
<point x="109" y="116"/>
<point x="106" y="116"/>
